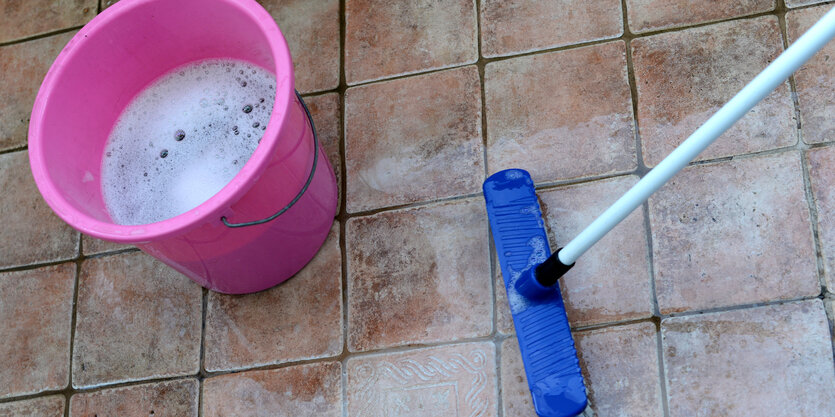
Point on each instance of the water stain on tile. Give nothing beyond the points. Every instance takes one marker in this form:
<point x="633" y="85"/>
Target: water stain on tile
<point x="51" y="406"/>
<point x="312" y="32"/>
<point x="418" y="276"/>
<point x="815" y="81"/>
<point x="822" y="179"/>
<point x="32" y="232"/>
<point x="712" y="361"/>
<point x="20" y="19"/>
<point x="35" y="321"/>
<point x="136" y="319"/>
<point x="170" y="398"/>
<point x="561" y="115"/>
<point x="509" y="27"/>
<point x="649" y="15"/>
<point x="413" y="139"/>
<point x="733" y="233"/>
<point x="299" y="319"/>
<point x="452" y="380"/>
<point x="684" y="77"/>
<point x="304" y="390"/>
<point x="385" y="39"/>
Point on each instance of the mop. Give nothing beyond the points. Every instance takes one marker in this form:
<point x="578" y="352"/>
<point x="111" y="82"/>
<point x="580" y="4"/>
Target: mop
<point x="531" y="272"/>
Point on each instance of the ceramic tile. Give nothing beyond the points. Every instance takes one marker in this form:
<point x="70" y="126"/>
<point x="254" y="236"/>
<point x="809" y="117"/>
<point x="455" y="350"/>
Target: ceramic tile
<point x="21" y="19"/>
<point x="384" y="39"/>
<point x="815" y="81"/>
<point x="452" y="380"/>
<point x="170" y="398"/>
<point x="561" y="115"/>
<point x="413" y="139"/>
<point x="304" y="390"/>
<point x="51" y="406"/>
<point x="797" y="3"/>
<point x="774" y="360"/>
<point x="684" y="77"/>
<point x="299" y="319"/>
<point x="822" y="179"/>
<point x="516" y="26"/>
<point x="137" y="319"/>
<point x="420" y="275"/>
<point x="650" y="15"/>
<point x="733" y="233"/>
<point x="327" y="112"/>
<point x="93" y="246"/>
<point x="35" y="321"/>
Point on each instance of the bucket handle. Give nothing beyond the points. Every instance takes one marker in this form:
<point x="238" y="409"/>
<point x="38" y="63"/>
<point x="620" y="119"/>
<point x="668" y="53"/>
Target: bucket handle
<point x="306" y="184"/>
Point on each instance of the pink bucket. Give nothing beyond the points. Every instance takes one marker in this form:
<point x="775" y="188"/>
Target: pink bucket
<point x="108" y="63"/>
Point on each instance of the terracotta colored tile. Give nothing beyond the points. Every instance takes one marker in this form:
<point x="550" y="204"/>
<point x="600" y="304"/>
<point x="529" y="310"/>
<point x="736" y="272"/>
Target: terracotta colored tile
<point x="509" y="27"/>
<point x="796" y="3"/>
<point x="733" y="233"/>
<point x="299" y="319"/>
<point x="647" y="15"/>
<point x="418" y="276"/>
<point x="384" y="39"/>
<point x="312" y="32"/>
<point x="305" y="390"/>
<point x="170" y="398"/>
<point x="620" y="368"/>
<point x="452" y="380"/>
<point x="35" y="321"/>
<point x="93" y="246"/>
<point x="684" y="77"/>
<point x="774" y="361"/>
<point x="822" y="178"/>
<point x="23" y="66"/>
<point x="413" y="139"/>
<point x="51" y="406"/>
<point x="20" y="19"/>
<point x="32" y="232"/>
<point x="590" y="290"/>
<point x="815" y="81"/>
<point x="136" y="319"/>
<point x="327" y="113"/>
<point x="504" y="320"/>
<point x="561" y="115"/>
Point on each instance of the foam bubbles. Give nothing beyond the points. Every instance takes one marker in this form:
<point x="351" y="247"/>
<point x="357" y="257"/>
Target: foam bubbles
<point x="153" y="170"/>
<point x="517" y="301"/>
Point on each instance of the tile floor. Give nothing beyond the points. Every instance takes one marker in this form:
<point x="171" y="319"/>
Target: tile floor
<point x="713" y="299"/>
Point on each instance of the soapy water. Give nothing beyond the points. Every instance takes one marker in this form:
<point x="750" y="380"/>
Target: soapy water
<point x="517" y="301"/>
<point x="183" y="138"/>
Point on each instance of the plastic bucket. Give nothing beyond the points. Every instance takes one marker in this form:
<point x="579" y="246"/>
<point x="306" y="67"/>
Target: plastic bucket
<point x="108" y="63"/>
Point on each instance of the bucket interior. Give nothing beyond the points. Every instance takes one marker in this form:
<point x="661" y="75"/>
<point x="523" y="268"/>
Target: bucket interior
<point x="109" y="63"/>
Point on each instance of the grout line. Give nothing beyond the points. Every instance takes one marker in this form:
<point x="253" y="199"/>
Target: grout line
<point x="662" y="370"/>
<point x="343" y="210"/>
<point x="406" y="206"/>
<point x="737" y="307"/>
<point x="14" y="149"/>
<point x="29" y="267"/>
<point x="73" y="323"/>
<point x="40" y="36"/>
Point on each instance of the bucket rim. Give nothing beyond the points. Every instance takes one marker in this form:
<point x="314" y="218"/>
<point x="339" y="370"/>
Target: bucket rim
<point x="211" y="209"/>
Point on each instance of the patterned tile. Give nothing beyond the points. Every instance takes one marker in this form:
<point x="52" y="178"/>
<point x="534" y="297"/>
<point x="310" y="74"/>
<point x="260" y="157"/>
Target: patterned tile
<point x="590" y="293"/>
<point x="51" y="406"/>
<point x="170" y="398"/>
<point x="304" y="390"/>
<point x="136" y="319"/>
<point x="327" y="112"/>
<point x="385" y="39"/>
<point x="822" y="178"/>
<point x="413" y="139"/>
<point x="24" y="67"/>
<point x="648" y="15"/>
<point x="31" y="232"/>
<point x="452" y="380"/>
<point x="815" y="81"/>
<point x="420" y="275"/>
<point x="20" y="19"/>
<point x="516" y="26"/>
<point x="684" y="77"/>
<point x="561" y="115"/>
<point x="733" y="233"/>
<point x="35" y="321"/>
<point x="312" y="32"/>
<point x="297" y="320"/>
<point x="620" y="368"/>
<point x="774" y="361"/>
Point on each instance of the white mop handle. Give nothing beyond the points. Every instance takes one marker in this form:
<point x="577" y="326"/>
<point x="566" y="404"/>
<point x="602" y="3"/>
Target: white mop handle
<point x="775" y="74"/>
